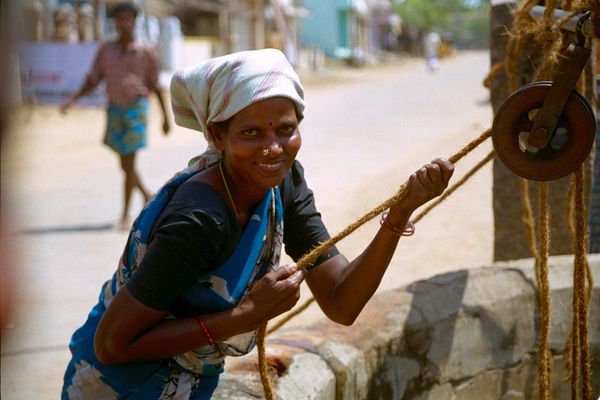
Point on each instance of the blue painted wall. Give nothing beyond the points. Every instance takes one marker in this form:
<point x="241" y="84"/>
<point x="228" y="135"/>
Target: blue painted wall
<point x="328" y="26"/>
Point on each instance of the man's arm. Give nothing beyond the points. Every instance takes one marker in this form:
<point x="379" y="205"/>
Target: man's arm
<point x="87" y="86"/>
<point x="91" y="81"/>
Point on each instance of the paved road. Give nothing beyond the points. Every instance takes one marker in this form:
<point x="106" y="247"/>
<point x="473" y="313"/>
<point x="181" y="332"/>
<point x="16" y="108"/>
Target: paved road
<point x="365" y="131"/>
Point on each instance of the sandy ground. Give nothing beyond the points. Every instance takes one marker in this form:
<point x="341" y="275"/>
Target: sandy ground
<point x="365" y="131"/>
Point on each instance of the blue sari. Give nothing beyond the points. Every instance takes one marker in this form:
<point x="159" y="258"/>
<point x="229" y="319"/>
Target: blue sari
<point x="195" y="374"/>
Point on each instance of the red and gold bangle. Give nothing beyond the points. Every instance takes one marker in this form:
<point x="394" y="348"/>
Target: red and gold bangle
<point x="205" y="331"/>
<point x="408" y="230"/>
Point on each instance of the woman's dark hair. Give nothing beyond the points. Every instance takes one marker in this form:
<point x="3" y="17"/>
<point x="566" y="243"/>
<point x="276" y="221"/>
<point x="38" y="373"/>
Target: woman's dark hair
<point x="124" y="6"/>
<point x="223" y="125"/>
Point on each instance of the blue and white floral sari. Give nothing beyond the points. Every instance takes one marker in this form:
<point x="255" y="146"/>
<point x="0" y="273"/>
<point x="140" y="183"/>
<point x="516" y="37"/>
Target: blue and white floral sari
<point x="195" y="374"/>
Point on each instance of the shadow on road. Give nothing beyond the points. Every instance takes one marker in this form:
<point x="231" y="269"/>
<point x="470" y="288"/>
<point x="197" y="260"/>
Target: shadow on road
<point x="69" y="229"/>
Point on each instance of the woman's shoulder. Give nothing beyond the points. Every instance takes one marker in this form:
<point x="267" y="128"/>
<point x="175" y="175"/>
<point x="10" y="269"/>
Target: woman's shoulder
<point x="195" y="194"/>
<point x="198" y="202"/>
<point x="293" y="184"/>
<point x="196" y="223"/>
<point x="195" y="214"/>
<point x="295" y="175"/>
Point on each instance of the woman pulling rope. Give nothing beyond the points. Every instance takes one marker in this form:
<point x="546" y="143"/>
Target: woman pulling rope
<point x="200" y="272"/>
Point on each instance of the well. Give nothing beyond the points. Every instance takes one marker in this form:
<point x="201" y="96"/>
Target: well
<point x="468" y="334"/>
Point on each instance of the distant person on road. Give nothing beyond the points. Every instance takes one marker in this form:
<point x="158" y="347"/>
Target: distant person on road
<point x="431" y="49"/>
<point x="130" y="69"/>
<point x="200" y="272"/>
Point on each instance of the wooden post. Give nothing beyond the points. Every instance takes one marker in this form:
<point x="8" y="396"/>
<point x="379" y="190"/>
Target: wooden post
<point x="594" y="219"/>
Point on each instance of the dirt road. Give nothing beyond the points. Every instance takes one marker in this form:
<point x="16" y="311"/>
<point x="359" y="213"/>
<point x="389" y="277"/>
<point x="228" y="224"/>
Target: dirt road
<point x="365" y="131"/>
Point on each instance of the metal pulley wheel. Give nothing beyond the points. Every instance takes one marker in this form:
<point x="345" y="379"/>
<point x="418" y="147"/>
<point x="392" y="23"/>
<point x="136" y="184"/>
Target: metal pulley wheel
<point x="563" y="150"/>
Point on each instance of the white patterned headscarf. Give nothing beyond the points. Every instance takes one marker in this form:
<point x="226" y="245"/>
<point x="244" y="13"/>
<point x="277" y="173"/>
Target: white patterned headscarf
<point x="217" y="89"/>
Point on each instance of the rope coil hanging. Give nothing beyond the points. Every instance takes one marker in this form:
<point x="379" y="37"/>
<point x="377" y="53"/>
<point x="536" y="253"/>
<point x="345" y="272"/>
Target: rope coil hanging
<point x="548" y="33"/>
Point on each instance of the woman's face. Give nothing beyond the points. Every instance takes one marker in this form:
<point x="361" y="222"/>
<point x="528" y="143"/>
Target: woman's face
<point x="267" y="125"/>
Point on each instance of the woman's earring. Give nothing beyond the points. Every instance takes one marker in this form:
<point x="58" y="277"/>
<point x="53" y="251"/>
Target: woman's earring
<point x="265" y="152"/>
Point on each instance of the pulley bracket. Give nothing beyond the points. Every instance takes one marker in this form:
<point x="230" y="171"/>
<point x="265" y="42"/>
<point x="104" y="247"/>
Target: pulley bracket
<point x="546" y="129"/>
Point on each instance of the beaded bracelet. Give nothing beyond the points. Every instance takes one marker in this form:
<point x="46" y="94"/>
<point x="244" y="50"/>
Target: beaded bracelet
<point x="205" y="331"/>
<point x="409" y="230"/>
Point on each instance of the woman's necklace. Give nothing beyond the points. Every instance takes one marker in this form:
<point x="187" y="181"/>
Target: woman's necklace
<point x="227" y="189"/>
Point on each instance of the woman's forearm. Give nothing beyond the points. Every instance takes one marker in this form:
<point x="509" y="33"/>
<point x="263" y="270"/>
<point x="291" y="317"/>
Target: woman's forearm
<point x="131" y="331"/>
<point x="364" y="275"/>
<point x="352" y="285"/>
<point x="342" y="289"/>
<point x="118" y="339"/>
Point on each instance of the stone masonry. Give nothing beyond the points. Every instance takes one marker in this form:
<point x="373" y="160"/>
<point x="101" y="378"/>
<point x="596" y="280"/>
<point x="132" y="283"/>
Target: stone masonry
<point x="461" y="335"/>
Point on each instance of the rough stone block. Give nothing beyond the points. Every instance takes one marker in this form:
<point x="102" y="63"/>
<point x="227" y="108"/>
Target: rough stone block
<point x="515" y="383"/>
<point x="560" y="275"/>
<point x="393" y="378"/>
<point x="295" y="374"/>
<point x="346" y="361"/>
<point x="472" y="313"/>
<point x="438" y="392"/>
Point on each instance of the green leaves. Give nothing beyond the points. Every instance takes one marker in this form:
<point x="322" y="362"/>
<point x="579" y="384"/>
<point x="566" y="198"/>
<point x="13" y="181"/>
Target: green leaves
<point x="465" y="21"/>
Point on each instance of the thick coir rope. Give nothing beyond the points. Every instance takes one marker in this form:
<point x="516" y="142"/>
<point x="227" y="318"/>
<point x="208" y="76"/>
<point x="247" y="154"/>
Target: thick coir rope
<point x="541" y="277"/>
<point x="309" y="259"/>
<point x="577" y="349"/>
<point x="549" y="35"/>
<point x="541" y="265"/>
<point x="582" y="278"/>
<point x="580" y="356"/>
<point x="545" y="32"/>
<point x="430" y="206"/>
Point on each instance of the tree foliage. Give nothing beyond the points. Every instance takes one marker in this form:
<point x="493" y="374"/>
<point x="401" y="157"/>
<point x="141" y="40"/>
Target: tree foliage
<point x="466" y="21"/>
<point x="428" y="14"/>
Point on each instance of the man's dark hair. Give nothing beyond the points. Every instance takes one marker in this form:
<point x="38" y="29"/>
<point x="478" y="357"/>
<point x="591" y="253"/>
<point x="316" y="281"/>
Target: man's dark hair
<point x="124" y="6"/>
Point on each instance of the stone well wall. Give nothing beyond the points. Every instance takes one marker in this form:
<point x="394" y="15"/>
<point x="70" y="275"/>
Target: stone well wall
<point x="461" y="335"/>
